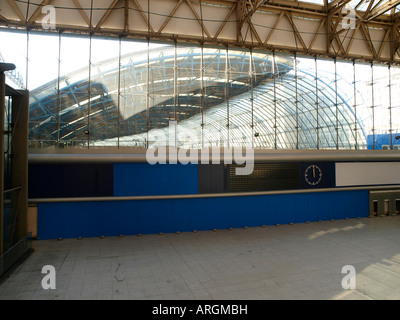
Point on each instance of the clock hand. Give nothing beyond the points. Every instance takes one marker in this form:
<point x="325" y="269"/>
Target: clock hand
<point x="313" y="170"/>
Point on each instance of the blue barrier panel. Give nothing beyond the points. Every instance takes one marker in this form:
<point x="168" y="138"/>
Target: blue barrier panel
<point x="143" y="179"/>
<point x="129" y="217"/>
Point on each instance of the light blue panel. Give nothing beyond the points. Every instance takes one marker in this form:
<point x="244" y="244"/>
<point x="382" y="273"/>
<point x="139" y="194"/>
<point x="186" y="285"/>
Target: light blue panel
<point x="92" y="219"/>
<point x="143" y="179"/>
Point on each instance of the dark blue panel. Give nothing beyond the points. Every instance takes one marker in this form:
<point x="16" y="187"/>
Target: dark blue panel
<point x="142" y="179"/>
<point x="91" y="219"/>
<point x="70" y="180"/>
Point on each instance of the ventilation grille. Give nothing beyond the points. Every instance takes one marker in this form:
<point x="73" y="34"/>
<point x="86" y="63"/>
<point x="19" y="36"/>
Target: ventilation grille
<point x="266" y="177"/>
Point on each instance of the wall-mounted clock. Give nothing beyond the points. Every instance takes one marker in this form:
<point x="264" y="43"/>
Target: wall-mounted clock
<point x="313" y="175"/>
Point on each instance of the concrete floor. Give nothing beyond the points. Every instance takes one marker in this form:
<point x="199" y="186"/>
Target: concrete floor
<point x="300" y="261"/>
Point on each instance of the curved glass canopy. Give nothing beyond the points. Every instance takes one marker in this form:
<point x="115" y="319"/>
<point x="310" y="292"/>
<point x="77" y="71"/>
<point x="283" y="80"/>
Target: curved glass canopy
<point x="217" y="98"/>
<point x="282" y="121"/>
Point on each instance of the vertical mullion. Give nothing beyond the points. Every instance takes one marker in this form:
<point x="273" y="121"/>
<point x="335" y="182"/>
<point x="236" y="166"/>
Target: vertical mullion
<point x="251" y="98"/>
<point x="202" y="94"/>
<point x="227" y="95"/>
<point x="274" y="77"/>
<point x="296" y="102"/>
<point x="336" y="104"/>
<point x="148" y="76"/>
<point x="90" y="75"/>
<point x="89" y="91"/>
<point x="58" y="89"/>
<point x="176" y="93"/>
<point x="27" y="59"/>
<point x="373" y="106"/>
<point x="175" y="80"/>
<point x="148" y="92"/>
<point x="119" y="93"/>
<point x="316" y="99"/>
<point x="355" y="104"/>
<point x="2" y="156"/>
<point x="390" y="108"/>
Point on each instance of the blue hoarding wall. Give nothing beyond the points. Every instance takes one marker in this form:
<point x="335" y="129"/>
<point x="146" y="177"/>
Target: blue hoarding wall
<point x="130" y="217"/>
<point x="143" y="179"/>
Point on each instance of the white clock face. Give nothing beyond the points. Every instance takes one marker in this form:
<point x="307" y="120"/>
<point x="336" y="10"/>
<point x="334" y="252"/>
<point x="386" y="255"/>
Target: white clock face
<point x="313" y="175"/>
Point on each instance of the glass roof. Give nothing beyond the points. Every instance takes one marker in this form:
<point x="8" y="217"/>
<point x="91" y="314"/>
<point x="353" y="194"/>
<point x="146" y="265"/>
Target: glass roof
<point x="74" y="102"/>
<point x="286" y="109"/>
<point x="321" y="2"/>
<point x="274" y="107"/>
<point x="362" y="5"/>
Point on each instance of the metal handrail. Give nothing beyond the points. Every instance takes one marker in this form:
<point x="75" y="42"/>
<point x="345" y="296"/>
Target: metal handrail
<point x="210" y="195"/>
<point x="12" y="190"/>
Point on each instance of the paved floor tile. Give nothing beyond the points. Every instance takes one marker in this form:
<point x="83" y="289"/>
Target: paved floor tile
<point x="301" y="261"/>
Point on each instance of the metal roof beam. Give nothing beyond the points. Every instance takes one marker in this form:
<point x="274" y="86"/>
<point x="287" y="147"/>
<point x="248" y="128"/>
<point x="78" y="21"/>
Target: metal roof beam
<point x="381" y="9"/>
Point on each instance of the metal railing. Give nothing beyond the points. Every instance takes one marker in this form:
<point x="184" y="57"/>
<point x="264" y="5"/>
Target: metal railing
<point x="10" y="205"/>
<point x="15" y="254"/>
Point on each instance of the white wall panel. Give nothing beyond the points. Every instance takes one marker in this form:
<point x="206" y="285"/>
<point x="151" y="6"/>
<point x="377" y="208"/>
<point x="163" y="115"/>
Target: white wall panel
<point x="367" y="173"/>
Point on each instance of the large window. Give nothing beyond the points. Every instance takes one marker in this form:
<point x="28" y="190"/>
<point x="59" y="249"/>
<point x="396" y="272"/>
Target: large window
<point x="72" y="102"/>
<point x="13" y="49"/>
<point x="104" y="85"/>
<point x="92" y="92"/>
